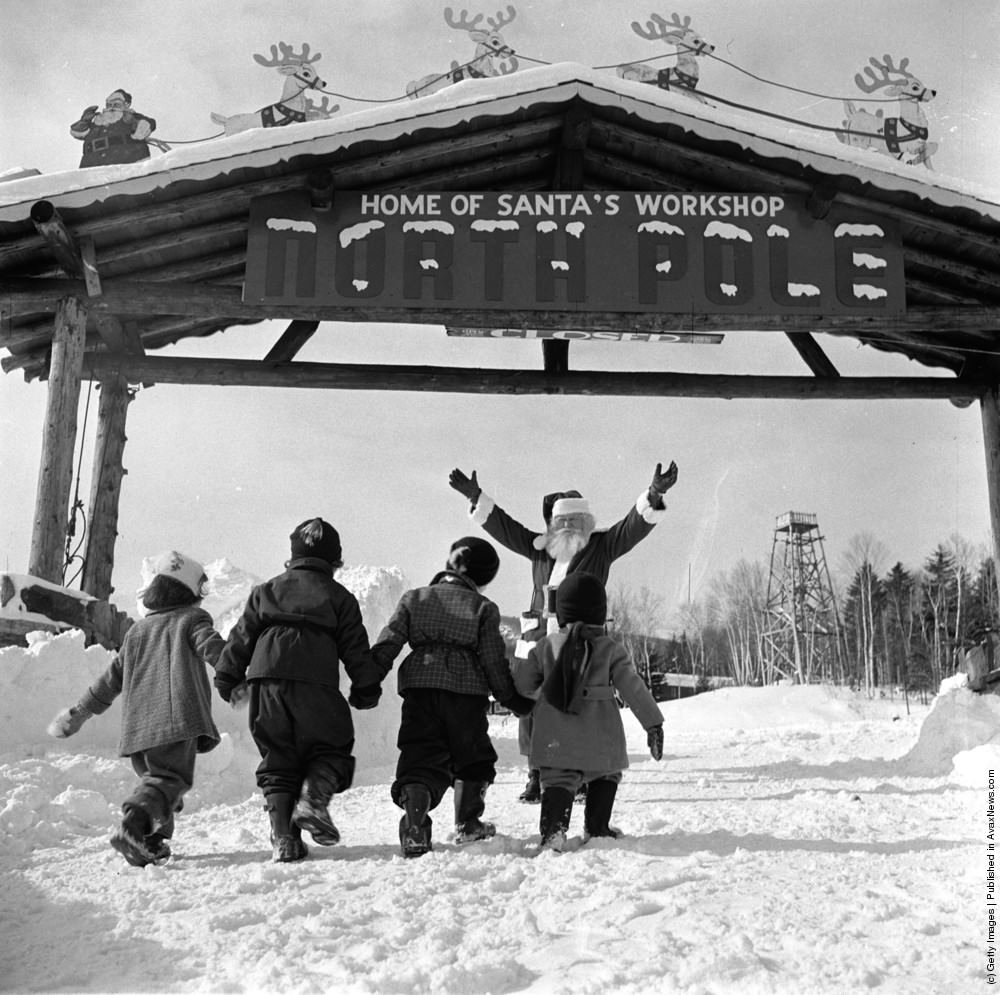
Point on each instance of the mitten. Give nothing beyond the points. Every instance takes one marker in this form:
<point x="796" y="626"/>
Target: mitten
<point x="239" y="697"/>
<point x="662" y="481"/>
<point x="68" y="721"/>
<point x="519" y="705"/>
<point x="225" y="684"/>
<point x="90" y="113"/>
<point x="469" y="486"/>
<point x="654" y="740"/>
<point x="366" y="697"/>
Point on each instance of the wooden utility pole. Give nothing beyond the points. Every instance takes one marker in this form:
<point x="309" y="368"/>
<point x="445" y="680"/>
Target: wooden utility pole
<point x="55" y="474"/>
<point x="105" y="488"/>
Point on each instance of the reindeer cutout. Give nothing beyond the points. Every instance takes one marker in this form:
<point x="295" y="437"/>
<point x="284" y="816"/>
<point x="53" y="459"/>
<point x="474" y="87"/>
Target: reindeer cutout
<point x="292" y="108"/>
<point x="903" y="137"/>
<point x="493" y="57"/>
<point x="690" y="47"/>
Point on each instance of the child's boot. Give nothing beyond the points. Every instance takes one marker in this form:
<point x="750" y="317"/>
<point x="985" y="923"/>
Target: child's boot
<point x="597" y="813"/>
<point x="286" y="840"/>
<point x="312" y="813"/>
<point x="415" y="826"/>
<point x="129" y="839"/>
<point x="532" y="790"/>
<point x="470" y="803"/>
<point x="553" y="822"/>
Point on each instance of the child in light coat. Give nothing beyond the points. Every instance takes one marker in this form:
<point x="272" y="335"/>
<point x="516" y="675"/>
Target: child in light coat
<point x="161" y="674"/>
<point x="578" y="736"/>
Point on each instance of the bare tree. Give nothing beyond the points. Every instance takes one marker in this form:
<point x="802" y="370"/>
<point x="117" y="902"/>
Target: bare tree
<point x="737" y="607"/>
<point x="635" y="618"/>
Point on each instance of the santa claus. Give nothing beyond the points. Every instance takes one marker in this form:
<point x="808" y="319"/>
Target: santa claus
<point x="116" y="134"/>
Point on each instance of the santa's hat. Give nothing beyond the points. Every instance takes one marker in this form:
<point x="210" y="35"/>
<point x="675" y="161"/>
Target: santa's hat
<point x="571" y="506"/>
<point x="550" y="499"/>
<point x="178" y="567"/>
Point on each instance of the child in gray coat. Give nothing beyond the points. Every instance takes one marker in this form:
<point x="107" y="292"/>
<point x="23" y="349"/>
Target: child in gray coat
<point x="578" y="736"/>
<point x="160" y="672"/>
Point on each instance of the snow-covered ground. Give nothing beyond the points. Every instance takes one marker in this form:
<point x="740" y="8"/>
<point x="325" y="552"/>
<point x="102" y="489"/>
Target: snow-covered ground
<point x="793" y="840"/>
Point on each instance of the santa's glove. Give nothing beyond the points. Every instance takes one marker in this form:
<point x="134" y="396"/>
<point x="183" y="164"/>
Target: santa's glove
<point x="365" y="697"/>
<point x="654" y="740"/>
<point x="519" y="705"/>
<point x="469" y="486"/>
<point x="662" y="481"/>
<point x="68" y="721"/>
<point x="89" y="114"/>
<point x="226" y="685"/>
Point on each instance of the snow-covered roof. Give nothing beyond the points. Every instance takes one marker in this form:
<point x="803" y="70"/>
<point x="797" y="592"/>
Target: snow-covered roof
<point x="183" y="215"/>
<point x="457" y="105"/>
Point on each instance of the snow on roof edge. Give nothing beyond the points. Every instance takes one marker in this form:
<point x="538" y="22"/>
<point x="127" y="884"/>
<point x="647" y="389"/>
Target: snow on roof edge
<point x="468" y="99"/>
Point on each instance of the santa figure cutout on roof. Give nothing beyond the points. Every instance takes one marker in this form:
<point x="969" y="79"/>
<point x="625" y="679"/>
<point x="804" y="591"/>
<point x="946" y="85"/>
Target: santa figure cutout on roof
<point x="115" y="135"/>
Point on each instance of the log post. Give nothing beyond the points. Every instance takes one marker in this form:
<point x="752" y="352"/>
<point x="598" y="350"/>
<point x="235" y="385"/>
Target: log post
<point x="990" y="408"/>
<point x="55" y="473"/>
<point x="105" y="488"/>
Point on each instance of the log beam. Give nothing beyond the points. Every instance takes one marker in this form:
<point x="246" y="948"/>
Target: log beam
<point x="250" y="373"/>
<point x="294" y="337"/>
<point x="990" y="409"/>
<point x="812" y="354"/>
<point x="55" y="473"/>
<point x="105" y="488"/>
<point x="124" y="297"/>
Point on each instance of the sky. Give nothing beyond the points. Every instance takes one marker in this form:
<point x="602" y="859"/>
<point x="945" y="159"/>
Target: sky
<point x="228" y="472"/>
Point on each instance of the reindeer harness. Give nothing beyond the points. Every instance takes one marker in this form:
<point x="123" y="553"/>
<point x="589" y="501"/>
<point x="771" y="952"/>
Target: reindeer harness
<point x="893" y="139"/>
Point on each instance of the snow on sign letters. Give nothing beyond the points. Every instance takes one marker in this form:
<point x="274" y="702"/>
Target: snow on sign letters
<point x="612" y="251"/>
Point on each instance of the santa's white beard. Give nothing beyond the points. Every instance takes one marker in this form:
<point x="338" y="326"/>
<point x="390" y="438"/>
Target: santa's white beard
<point x="565" y="544"/>
<point x="104" y="118"/>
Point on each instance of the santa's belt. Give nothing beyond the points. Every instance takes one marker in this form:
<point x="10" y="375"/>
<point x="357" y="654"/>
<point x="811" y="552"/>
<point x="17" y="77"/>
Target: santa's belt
<point x="100" y="144"/>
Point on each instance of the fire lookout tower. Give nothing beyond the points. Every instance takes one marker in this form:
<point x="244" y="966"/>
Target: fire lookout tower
<point x="802" y="634"/>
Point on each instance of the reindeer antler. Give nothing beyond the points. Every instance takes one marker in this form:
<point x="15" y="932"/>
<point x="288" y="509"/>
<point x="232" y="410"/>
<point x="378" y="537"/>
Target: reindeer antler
<point x="288" y="57"/>
<point x="463" y="23"/>
<point x="657" y="28"/>
<point x="499" y="20"/>
<point x="884" y="78"/>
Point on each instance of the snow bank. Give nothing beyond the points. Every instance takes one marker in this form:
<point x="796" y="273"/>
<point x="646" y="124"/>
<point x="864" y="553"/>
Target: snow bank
<point x="60" y="785"/>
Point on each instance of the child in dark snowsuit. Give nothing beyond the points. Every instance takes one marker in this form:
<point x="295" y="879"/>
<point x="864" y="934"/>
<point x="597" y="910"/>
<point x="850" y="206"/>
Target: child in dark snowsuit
<point x="577" y="735"/>
<point x="166" y="704"/>
<point x="456" y="660"/>
<point x="295" y="629"/>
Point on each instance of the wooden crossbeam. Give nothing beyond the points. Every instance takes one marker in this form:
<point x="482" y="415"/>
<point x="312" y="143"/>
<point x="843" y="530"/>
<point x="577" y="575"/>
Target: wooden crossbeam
<point x="251" y="373"/>
<point x="125" y="297"/>
<point x="295" y="336"/>
<point x="814" y="357"/>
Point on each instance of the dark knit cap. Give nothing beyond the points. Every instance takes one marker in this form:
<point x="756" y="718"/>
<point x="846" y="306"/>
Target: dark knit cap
<point x="474" y="557"/>
<point x="581" y="598"/>
<point x="314" y="537"/>
<point x="550" y="499"/>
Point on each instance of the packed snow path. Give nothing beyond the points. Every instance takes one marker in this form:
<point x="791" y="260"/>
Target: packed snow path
<point x="779" y="847"/>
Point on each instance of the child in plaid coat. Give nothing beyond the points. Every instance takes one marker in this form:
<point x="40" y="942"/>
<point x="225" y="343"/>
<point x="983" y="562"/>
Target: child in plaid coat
<point x="457" y="658"/>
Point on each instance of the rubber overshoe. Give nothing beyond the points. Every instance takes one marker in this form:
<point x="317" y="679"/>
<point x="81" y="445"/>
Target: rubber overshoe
<point x="129" y="839"/>
<point x="158" y="847"/>
<point x="315" y="819"/>
<point x="288" y="849"/>
<point x="473" y="831"/>
<point x="415" y="841"/>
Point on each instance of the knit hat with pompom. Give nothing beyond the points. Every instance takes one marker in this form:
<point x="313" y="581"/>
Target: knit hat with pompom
<point x="317" y="538"/>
